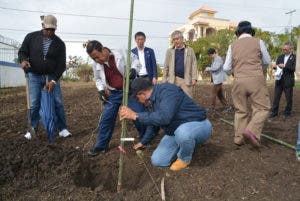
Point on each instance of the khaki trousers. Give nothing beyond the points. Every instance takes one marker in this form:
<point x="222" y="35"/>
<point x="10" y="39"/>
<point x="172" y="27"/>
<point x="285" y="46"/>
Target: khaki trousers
<point x="255" y="89"/>
<point x="181" y="83"/>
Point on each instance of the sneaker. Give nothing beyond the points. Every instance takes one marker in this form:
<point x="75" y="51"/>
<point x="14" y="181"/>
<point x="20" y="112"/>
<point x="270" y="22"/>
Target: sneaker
<point x="64" y="133"/>
<point x="179" y="165"/>
<point x="252" y="138"/>
<point x="30" y="133"/>
<point x="96" y="151"/>
<point x="28" y="136"/>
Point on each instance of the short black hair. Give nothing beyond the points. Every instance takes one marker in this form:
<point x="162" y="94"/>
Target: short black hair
<point x="140" y="84"/>
<point x="211" y="51"/>
<point x="139" y="34"/>
<point x="244" y="27"/>
<point x="93" y="45"/>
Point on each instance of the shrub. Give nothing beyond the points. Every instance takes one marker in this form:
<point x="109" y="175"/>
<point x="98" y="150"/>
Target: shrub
<point x="85" y="72"/>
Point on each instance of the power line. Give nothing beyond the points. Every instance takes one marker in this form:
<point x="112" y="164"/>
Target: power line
<point x="82" y="34"/>
<point x="91" y="16"/>
<point x="113" y="18"/>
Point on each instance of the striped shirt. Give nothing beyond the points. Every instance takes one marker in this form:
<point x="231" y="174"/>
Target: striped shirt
<point x="46" y="44"/>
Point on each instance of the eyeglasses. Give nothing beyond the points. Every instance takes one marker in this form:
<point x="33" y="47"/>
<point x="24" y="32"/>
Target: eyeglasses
<point x="50" y="29"/>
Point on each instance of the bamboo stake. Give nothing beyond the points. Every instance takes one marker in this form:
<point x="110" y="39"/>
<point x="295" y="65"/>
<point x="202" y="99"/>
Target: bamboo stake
<point x="125" y="97"/>
<point x="267" y="137"/>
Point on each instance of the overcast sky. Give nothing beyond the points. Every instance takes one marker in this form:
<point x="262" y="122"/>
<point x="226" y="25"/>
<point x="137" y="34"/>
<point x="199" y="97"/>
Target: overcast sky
<point x="268" y="15"/>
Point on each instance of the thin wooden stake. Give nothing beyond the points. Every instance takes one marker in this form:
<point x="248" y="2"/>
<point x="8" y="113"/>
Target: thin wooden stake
<point x="162" y="189"/>
<point x="125" y="98"/>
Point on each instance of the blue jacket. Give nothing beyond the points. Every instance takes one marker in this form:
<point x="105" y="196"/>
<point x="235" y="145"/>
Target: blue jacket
<point x="150" y="61"/>
<point x="171" y="107"/>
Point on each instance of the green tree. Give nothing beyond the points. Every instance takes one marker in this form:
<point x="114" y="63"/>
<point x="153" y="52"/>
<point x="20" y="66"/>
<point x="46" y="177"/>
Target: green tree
<point x="220" y="41"/>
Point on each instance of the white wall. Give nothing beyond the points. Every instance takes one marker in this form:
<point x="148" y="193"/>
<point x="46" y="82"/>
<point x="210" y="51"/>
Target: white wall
<point x="11" y="76"/>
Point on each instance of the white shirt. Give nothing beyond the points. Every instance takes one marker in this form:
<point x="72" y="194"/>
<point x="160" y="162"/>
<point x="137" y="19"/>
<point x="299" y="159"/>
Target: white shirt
<point x="265" y="55"/>
<point x="143" y="70"/>
<point x="99" y="74"/>
<point x="286" y="57"/>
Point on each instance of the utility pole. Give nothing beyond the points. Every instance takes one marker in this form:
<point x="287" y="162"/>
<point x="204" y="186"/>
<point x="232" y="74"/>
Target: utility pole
<point x="289" y="26"/>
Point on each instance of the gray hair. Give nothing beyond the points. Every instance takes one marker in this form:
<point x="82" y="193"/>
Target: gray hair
<point x="177" y="33"/>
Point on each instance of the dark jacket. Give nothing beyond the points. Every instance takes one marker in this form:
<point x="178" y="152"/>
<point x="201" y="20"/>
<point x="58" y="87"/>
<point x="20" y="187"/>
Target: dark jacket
<point x="32" y="51"/>
<point x="150" y="61"/>
<point x="287" y="78"/>
<point x="171" y="107"/>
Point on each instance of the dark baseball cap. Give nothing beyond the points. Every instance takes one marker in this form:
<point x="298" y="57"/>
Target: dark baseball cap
<point x="138" y="85"/>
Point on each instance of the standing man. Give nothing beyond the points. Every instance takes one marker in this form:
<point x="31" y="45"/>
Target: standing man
<point x="218" y="77"/>
<point x="184" y="122"/>
<point x="146" y="57"/>
<point x="43" y="57"/>
<point x="246" y="58"/>
<point x="286" y="62"/>
<point x="109" y="68"/>
<point x="148" y="71"/>
<point x="180" y="65"/>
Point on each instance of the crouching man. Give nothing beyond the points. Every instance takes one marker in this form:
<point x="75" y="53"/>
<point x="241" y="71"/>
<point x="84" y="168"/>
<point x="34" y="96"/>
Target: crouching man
<point x="184" y="122"/>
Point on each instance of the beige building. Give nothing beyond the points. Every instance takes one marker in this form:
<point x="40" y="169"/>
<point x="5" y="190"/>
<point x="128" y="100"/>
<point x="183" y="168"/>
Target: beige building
<point x="203" y="22"/>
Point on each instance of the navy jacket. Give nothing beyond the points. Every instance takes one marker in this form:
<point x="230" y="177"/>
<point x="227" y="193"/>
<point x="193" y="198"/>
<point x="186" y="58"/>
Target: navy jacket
<point x="32" y="51"/>
<point x="150" y="61"/>
<point x="171" y="107"/>
<point x="287" y="78"/>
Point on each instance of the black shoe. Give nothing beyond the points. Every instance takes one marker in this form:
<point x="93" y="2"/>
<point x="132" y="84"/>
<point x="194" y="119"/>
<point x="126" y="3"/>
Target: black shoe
<point x="96" y="151"/>
<point x="273" y="115"/>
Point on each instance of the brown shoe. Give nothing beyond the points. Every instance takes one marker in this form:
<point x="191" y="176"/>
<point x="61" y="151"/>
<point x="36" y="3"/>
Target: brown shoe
<point x="239" y="141"/>
<point x="179" y="165"/>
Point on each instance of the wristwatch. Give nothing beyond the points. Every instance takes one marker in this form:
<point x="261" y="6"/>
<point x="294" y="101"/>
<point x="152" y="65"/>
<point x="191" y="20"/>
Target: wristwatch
<point x="136" y="116"/>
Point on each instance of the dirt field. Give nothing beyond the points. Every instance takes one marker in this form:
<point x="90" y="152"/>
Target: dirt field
<point x="219" y="170"/>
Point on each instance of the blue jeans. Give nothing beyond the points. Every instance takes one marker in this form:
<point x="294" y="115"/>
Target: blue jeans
<point x="36" y="84"/>
<point x="108" y="119"/>
<point x="182" y="144"/>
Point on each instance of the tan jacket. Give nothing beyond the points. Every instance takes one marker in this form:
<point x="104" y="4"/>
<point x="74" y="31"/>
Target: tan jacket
<point x="190" y="66"/>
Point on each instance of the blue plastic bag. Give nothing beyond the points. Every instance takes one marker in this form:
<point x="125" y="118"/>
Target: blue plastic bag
<point x="47" y="113"/>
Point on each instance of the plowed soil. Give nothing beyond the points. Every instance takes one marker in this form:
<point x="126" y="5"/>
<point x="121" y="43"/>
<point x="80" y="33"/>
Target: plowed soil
<point x="34" y="170"/>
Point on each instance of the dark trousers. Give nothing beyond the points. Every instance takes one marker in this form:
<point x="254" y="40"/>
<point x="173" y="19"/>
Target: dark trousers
<point x="108" y="119"/>
<point x="217" y="91"/>
<point x="288" y="92"/>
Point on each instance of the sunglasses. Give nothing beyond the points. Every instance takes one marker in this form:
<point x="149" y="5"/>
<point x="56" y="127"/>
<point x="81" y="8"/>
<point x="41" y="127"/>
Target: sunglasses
<point x="50" y="29"/>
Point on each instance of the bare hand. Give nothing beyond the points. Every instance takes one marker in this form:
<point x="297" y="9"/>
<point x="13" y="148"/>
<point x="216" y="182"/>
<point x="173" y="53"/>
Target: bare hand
<point x="194" y="82"/>
<point x="281" y="65"/>
<point x="138" y="146"/>
<point x="154" y="80"/>
<point x="50" y="86"/>
<point x="25" y="65"/>
<point x="126" y="113"/>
